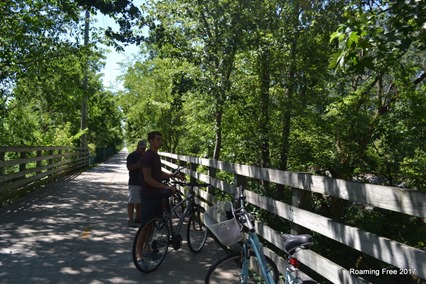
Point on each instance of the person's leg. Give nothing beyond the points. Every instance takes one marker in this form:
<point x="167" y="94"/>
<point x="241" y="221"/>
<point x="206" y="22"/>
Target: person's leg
<point x="137" y="207"/>
<point x="149" y="209"/>
<point x="132" y="204"/>
<point x="130" y="210"/>
<point x="137" y="198"/>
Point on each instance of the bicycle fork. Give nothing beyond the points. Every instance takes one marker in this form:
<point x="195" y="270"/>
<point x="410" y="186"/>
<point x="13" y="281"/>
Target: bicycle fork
<point x="262" y="264"/>
<point x="245" y="258"/>
<point x="265" y="269"/>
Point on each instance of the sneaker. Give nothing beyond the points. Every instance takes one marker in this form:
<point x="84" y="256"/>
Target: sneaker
<point x="153" y="256"/>
<point x="132" y="224"/>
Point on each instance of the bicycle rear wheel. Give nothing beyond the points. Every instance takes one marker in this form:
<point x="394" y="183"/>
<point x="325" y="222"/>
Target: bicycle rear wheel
<point x="150" y="245"/>
<point x="228" y="270"/>
<point x="196" y="232"/>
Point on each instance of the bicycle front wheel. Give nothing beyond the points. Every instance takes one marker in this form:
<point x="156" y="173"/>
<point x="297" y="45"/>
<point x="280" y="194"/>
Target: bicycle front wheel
<point x="196" y="232"/>
<point x="228" y="270"/>
<point x="150" y="245"/>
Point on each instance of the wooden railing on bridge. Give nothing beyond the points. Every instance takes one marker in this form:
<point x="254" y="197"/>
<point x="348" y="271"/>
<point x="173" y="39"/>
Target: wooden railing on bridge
<point x="404" y="259"/>
<point x="24" y="168"/>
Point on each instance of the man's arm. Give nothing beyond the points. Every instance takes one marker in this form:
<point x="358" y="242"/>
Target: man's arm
<point x="171" y="175"/>
<point x="133" y="167"/>
<point x="151" y="181"/>
<point x="133" y="164"/>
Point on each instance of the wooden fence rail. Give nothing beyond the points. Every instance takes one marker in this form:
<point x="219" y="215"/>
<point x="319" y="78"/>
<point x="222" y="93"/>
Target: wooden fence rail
<point x="24" y="168"/>
<point x="406" y="259"/>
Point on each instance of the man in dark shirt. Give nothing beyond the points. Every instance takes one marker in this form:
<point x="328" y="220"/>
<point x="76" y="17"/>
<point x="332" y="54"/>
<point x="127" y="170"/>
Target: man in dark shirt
<point x="153" y="191"/>
<point x="134" y="201"/>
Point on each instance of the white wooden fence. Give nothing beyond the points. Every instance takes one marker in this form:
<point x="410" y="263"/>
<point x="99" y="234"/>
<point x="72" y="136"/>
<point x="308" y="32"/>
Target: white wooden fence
<point x="407" y="259"/>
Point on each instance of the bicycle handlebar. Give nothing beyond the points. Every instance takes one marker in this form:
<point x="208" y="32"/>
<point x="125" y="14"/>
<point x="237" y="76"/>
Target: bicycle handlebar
<point x="188" y="184"/>
<point x="177" y="170"/>
<point x="184" y="183"/>
<point x="244" y="218"/>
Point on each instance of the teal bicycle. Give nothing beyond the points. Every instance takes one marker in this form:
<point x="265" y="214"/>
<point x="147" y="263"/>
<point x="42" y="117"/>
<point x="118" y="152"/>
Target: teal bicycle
<point x="248" y="264"/>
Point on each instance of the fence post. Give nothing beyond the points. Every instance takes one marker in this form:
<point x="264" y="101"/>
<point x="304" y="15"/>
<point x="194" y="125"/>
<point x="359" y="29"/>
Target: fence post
<point x="38" y="163"/>
<point x="23" y="166"/>
<point x="50" y="161"/>
<point x="302" y="198"/>
<point x="2" y="159"/>
<point x="240" y="181"/>
<point x="193" y="168"/>
<point x="85" y="153"/>
<point x="183" y="164"/>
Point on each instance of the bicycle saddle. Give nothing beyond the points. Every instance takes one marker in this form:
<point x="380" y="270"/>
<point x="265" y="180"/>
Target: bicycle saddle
<point x="292" y="242"/>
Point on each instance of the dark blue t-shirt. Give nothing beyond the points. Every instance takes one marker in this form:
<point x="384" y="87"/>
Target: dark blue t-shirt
<point x="134" y="158"/>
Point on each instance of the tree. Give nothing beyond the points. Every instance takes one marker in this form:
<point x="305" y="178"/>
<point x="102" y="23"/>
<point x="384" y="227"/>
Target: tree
<point x="153" y="99"/>
<point x="207" y="33"/>
<point x="377" y="48"/>
<point x="42" y="63"/>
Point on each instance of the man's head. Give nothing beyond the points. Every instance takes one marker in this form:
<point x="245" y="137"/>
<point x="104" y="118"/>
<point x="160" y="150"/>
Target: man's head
<point x="155" y="140"/>
<point x="141" y="146"/>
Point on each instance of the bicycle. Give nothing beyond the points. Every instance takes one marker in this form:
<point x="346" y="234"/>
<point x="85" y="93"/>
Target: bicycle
<point x="248" y="264"/>
<point x="238" y="267"/>
<point x="151" y="242"/>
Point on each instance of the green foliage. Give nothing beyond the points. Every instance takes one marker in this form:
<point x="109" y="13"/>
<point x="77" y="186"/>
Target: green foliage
<point x="42" y="67"/>
<point x="155" y="98"/>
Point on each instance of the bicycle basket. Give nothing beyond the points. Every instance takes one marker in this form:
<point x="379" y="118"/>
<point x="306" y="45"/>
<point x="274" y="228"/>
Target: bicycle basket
<point x="221" y="221"/>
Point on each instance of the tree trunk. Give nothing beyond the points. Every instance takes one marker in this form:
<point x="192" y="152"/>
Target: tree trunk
<point x="218" y="134"/>
<point x="265" y="79"/>
<point x="288" y="100"/>
<point x="264" y="106"/>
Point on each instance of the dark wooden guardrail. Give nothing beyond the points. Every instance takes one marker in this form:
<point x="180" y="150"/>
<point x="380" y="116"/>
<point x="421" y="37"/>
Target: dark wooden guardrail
<point x="24" y="168"/>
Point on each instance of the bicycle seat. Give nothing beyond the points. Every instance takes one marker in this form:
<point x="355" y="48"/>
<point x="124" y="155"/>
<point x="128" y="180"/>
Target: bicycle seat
<point x="292" y="242"/>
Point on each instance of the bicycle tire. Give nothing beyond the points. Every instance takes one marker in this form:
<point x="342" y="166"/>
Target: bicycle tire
<point x="228" y="269"/>
<point x="150" y="245"/>
<point x="196" y="233"/>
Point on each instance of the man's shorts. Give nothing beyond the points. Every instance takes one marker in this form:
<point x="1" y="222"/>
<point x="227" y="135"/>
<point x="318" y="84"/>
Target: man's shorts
<point x="134" y="194"/>
<point x="151" y="207"/>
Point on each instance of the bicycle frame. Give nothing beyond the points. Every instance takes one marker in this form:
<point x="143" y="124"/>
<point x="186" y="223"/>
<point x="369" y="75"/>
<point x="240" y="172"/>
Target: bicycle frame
<point x="252" y="243"/>
<point x="191" y="198"/>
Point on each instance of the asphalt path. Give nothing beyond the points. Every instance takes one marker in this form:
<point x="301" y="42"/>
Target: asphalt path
<point x="75" y="231"/>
